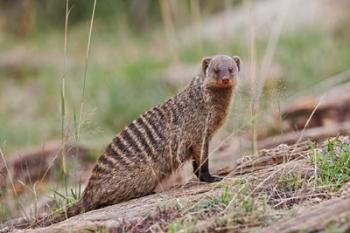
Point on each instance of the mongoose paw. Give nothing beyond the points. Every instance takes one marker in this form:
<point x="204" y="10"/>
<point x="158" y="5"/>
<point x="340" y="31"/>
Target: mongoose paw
<point x="211" y="179"/>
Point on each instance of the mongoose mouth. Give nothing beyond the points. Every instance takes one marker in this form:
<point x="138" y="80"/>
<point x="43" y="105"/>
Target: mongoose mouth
<point x="226" y="83"/>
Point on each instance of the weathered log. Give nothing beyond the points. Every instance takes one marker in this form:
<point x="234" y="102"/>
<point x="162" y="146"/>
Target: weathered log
<point x="332" y="107"/>
<point x="315" y="134"/>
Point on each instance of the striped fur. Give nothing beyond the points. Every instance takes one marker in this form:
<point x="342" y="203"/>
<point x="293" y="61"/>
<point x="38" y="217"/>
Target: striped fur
<point x="159" y="141"/>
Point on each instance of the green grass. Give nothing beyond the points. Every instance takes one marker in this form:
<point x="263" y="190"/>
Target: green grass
<point x="333" y="163"/>
<point x="233" y="207"/>
<point x="4" y="213"/>
<point x="62" y="201"/>
<point x="289" y="183"/>
<point x="332" y="228"/>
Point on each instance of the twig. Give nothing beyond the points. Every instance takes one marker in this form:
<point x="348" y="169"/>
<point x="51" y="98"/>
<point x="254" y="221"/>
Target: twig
<point x="309" y="119"/>
<point x="8" y="172"/>
<point x="297" y="197"/>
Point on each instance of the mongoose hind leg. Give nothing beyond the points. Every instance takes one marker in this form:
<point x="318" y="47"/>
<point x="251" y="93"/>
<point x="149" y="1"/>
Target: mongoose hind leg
<point x="120" y="185"/>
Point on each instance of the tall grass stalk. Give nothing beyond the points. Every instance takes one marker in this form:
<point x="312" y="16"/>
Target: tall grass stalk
<point x="253" y="68"/>
<point x="265" y="65"/>
<point x="77" y="121"/>
<point x="169" y="26"/>
<point x="309" y="119"/>
<point x="197" y="23"/>
<point x="11" y="181"/>
<point x="270" y="50"/>
<point x="63" y="90"/>
<point x="8" y="172"/>
<point x="82" y="101"/>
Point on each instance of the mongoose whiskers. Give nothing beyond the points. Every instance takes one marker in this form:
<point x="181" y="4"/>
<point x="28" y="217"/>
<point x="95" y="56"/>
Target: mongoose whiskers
<point x="154" y="145"/>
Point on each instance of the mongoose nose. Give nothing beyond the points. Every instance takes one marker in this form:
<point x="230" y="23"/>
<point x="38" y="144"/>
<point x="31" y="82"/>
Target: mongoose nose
<point x="225" y="80"/>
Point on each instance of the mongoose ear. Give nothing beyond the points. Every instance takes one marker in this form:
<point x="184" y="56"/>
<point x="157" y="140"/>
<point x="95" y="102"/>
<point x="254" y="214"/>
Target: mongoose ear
<point x="205" y="63"/>
<point x="238" y="62"/>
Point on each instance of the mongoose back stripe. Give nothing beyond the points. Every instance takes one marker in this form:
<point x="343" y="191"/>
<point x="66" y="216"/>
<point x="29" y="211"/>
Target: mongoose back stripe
<point x="131" y="145"/>
<point x="98" y="169"/>
<point x="142" y="122"/>
<point x="143" y="150"/>
<point x="120" y="146"/>
<point x="114" y="154"/>
<point x="142" y="157"/>
<point x="140" y="138"/>
<point x="154" y="125"/>
<point x="169" y="109"/>
<point x="134" y="142"/>
<point x="105" y="160"/>
<point x="160" y="112"/>
<point x="173" y="114"/>
<point x="146" y="155"/>
<point x="147" y="136"/>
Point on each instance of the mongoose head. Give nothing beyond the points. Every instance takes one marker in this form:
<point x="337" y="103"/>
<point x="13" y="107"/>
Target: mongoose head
<point x="220" y="71"/>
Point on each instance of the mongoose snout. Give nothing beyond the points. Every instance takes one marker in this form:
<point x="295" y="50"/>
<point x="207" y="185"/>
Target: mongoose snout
<point x="225" y="80"/>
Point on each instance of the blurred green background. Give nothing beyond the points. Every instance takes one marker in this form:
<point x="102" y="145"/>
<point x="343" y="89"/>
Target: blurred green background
<point x="138" y="50"/>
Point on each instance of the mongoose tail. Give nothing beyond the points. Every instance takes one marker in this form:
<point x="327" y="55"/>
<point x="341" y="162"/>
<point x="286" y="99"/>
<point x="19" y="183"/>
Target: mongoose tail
<point x="71" y="211"/>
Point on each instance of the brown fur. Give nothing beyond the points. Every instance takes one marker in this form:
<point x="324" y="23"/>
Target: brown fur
<point x="152" y="147"/>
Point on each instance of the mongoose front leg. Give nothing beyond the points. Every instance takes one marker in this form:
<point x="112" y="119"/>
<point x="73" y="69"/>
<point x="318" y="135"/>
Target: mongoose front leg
<point x="203" y="173"/>
<point x="201" y="164"/>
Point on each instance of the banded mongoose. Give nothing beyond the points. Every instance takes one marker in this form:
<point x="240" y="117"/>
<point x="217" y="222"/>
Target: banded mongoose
<point x="154" y="145"/>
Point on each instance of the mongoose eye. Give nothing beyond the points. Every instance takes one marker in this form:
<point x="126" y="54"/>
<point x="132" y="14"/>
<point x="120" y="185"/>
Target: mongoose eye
<point x="230" y="70"/>
<point x="216" y="70"/>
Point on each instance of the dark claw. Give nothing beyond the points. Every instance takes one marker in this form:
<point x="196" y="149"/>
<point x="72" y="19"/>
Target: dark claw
<point x="211" y="179"/>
